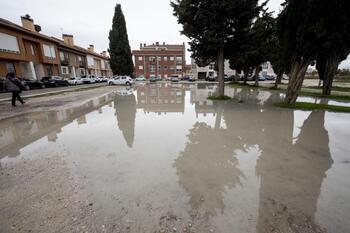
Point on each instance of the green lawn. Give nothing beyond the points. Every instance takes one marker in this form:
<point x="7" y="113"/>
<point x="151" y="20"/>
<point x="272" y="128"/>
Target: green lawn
<point x="312" y="106"/>
<point x="225" y="97"/>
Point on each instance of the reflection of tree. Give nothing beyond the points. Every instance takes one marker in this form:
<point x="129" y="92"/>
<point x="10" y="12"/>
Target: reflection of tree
<point x="291" y="179"/>
<point x="206" y="167"/>
<point x="125" y="110"/>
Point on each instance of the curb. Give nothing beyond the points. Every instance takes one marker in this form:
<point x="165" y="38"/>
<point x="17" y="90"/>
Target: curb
<point x="53" y="93"/>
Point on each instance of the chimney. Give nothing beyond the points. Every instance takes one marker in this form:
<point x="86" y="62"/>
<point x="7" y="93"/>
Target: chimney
<point x="157" y="43"/>
<point x="28" y="22"/>
<point x="104" y="53"/>
<point x="91" y="48"/>
<point x="37" y="28"/>
<point x="144" y="45"/>
<point x="163" y="43"/>
<point x="68" y="39"/>
<point x="140" y="45"/>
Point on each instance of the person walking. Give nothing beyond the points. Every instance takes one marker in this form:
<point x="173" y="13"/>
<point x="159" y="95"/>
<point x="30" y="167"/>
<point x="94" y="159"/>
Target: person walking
<point x="13" y="85"/>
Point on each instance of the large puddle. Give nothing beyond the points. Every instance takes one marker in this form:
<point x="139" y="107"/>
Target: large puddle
<point x="162" y="156"/>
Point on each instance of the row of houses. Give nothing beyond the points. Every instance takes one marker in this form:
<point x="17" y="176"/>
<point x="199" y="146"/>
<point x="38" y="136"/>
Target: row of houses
<point x="33" y="55"/>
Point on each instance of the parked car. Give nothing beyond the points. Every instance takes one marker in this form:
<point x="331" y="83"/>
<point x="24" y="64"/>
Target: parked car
<point x="54" y="81"/>
<point x="75" y="81"/>
<point x="30" y="84"/>
<point x="121" y="80"/>
<point x="99" y="79"/>
<point x="261" y="78"/>
<point x="88" y="79"/>
<point x="104" y="79"/>
<point x="2" y="84"/>
<point x="153" y="79"/>
<point x="174" y="79"/>
<point x="211" y="79"/>
<point x="158" y="79"/>
<point x="140" y="78"/>
<point x="269" y="77"/>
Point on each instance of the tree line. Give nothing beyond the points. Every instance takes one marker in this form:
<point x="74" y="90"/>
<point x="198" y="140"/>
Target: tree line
<point x="304" y="33"/>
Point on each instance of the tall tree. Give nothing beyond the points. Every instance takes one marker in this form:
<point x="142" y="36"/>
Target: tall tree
<point x="119" y="47"/>
<point x="333" y="40"/>
<point x="213" y="26"/>
<point x="297" y="32"/>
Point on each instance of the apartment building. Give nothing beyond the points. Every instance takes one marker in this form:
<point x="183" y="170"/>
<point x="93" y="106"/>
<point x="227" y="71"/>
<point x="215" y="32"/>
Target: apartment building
<point x="160" y="60"/>
<point x="72" y="57"/>
<point x="26" y="51"/>
<point x="30" y="54"/>
<point x="98" y="64"/>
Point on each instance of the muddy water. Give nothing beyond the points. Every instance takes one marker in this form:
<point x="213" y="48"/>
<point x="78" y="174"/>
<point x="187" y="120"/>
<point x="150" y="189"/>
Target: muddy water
<point x="163" y="158"/>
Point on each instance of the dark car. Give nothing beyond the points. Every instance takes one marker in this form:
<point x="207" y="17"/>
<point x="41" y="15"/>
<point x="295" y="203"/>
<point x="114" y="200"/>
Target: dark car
<point x="261" y="78"/>
<point x="211" y="79"/>
<point x="30" y="84"/>
<point x="2" y="84"/>
<point x="153" y="79"/>
<point x="54" y="81"/>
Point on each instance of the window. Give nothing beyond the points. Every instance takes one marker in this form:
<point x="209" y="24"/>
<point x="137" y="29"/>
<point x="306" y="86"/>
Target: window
<point x="211" y="66"/>
<point x="159" y="58"/>
<point x="8" y="43"/>
<point x="140" y="67"/>
<point x="178" y="60"/>
<point x="172" y="67"/>
<point x="171" y="58"/>
<point x="65" y="70"/>
<point x="153" y="59"/>
<point x="151" y="68"/>
<point x="165" y="58"/>
<point x="62" y="56"/>
<point x="10" y="67"/>
<point x="140" y="58"/>
<point x="32" y="49"/>
<point x="178" y="68"/>
<point x="159" y="67"/>
<point x="79" y="58"/>
<point x="49" y="51"/>
<point x="165" y="67"/>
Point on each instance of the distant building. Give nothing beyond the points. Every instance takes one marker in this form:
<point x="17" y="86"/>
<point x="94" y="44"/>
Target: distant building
<point x="267" y="69"/>
<point x="209" y="71"/>
<point x="160" y="60"/>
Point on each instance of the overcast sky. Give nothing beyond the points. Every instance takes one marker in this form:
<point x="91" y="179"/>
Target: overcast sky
<point x="89" y="21"/>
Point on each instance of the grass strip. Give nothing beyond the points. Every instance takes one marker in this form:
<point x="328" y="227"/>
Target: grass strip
<point x="311" y="106"/>
<point x="224" y="97"/>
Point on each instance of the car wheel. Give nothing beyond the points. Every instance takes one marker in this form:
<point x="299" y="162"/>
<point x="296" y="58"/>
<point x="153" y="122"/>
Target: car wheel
<point x="42" y="86"/>
<point x="128" y="84"/>
<point x="110" y="84"/>
<point x="27" y="88"/>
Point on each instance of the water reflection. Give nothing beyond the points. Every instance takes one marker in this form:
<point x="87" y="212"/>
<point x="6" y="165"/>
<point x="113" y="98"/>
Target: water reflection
<point x="16" y="133"/>
<point x="207" y="151"/>
<point x="125" y="111"/>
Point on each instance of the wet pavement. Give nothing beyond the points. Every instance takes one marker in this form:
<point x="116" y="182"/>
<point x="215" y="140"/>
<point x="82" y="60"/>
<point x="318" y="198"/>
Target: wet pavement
<point x="163" y="158"/>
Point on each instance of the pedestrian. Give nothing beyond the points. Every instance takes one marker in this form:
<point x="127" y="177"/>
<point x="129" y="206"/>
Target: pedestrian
<point x="12" y="84"/>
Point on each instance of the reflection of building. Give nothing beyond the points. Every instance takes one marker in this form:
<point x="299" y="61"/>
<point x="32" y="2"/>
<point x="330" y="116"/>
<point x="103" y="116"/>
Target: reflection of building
<point x="161" y="98"/>
<point x="160" y="60"/>
<point x="16" y="133"/>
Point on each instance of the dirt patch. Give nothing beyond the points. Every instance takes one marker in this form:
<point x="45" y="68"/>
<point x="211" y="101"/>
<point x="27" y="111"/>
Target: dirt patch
<point x="40" y="195"/>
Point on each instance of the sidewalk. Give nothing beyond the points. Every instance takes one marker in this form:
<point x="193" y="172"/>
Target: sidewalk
<point x="4" y="97"/>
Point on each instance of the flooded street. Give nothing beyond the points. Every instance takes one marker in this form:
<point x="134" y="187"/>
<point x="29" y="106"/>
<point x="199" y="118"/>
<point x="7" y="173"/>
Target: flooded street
<point x="163" y="158"/>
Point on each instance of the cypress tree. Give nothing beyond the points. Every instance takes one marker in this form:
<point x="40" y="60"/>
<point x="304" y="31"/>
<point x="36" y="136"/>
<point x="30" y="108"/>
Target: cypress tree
<point x="119" y="48"/>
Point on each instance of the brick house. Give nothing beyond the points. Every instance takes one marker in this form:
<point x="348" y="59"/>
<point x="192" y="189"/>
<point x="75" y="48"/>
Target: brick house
<point x="160" y="60"/>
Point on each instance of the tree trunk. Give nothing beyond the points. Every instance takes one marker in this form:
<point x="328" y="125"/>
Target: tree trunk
<point x="278" y="79"/>
<point x="257" y="71"/>
<point x="221" y="69"/>
<point x="330" y="69"/>
<point x="297" y="75"/>
<point x="246" y="72"/>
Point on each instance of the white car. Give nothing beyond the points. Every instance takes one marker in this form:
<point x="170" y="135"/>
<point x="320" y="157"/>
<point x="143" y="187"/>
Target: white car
<point x="75" y="81"/>
<point x="87" y="79"/>
<point x="121" y="80"/>
<point x="140" y="78"/>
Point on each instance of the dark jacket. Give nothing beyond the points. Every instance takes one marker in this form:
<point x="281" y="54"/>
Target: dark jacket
<point x="13" y="84"/>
